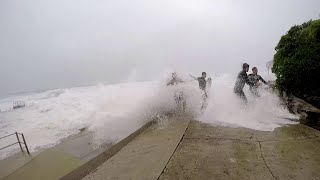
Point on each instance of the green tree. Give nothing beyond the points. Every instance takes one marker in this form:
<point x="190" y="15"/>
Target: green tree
<point x="297" y="60"/>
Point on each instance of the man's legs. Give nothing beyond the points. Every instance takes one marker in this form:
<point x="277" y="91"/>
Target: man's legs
<point x="243" y="96"/>
<point x="181" y="101"/>
<point x="204" y="98"/>
<point x="184" y="105"/>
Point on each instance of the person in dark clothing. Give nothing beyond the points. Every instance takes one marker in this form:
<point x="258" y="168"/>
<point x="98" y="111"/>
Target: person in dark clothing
<point x="254" y="78"/>
<point x="203" y="87"/>
<point x="242" y="79"/>
<point x="202" y="81"/>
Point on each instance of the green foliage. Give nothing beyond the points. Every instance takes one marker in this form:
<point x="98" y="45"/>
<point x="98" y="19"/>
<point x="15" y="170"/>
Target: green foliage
<point x="297" y="60"/>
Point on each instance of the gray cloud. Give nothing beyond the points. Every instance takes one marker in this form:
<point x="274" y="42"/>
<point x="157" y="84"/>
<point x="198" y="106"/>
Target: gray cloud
<point x="47" y="44"/>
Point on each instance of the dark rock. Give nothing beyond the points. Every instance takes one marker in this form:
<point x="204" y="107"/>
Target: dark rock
<point x="308" y="113"/>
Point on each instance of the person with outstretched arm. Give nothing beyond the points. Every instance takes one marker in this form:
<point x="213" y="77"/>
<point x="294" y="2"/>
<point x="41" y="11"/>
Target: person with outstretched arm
<point x="203" y="85"/>
<point x="179" y="96"/>
<point x="175" y="80"/>
<point x="202" y="81"/>
<point x="255" y="79"/>
<point x="242" y="79"/>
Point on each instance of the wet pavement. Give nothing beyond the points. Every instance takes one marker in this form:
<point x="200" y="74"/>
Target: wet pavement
<point x="208" y="152"/>
<point x="180" y="148"/>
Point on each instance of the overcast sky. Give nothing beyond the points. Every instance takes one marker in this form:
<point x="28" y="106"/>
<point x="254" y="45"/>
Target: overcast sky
<point x="65" y="43"/>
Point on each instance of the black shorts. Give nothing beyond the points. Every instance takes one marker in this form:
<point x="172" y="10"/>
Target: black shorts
<point x="179" y="96"/>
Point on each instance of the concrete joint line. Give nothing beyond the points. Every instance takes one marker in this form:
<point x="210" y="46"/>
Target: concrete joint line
<point x="229" y="139"/>
<point x="182" y="137"/>
<point x="247" y="140"/>
<point x="275" y="177"/>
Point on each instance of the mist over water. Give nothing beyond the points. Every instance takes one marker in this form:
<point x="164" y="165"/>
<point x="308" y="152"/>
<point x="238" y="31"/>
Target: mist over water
<point x="113" y="112"/>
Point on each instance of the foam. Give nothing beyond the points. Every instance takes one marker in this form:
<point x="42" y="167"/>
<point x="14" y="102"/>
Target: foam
<point x="225" y="109"/>
<point x="114" y="111"/>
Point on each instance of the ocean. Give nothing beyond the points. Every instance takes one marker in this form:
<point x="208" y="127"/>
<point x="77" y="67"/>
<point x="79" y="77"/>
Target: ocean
<point x="113" y="111"/>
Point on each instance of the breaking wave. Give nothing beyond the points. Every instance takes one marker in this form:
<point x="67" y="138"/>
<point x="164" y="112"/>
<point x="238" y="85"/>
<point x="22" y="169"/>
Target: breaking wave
<point x="112" y="112"/>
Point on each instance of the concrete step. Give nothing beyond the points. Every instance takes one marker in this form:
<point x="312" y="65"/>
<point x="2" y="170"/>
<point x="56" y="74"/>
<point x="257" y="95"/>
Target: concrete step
<point x="147" y="155"/>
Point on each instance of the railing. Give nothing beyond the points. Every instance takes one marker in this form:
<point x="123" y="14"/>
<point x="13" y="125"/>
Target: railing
<point x="19" y="142"/>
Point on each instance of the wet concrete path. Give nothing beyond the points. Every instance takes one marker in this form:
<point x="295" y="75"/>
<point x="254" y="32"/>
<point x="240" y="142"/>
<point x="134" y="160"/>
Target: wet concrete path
<point x="181" y="148"/>
<point x="207" y="152"/>
<point x="195" y="150"/>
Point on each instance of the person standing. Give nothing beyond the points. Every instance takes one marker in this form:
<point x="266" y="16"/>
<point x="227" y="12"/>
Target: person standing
<point x="179" y="96"/>
<point x="202" y="81"/>
<point x="242" y="79"/>
<point x="203" y="87"/>
<point x="255" y="79"/>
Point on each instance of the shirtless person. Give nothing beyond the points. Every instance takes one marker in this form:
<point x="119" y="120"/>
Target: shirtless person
<point x="175" y="80"/>
<point x="179" y="95"/>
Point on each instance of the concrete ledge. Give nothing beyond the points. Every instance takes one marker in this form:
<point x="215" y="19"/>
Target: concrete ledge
<point x="146" y="156"/>
<point x="91" y="165"/>
<point x="12" y="163"/>
<point x="50" y="164"/>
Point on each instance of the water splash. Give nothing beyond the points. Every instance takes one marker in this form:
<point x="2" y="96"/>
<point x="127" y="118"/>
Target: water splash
<point x="112" y="112"/>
